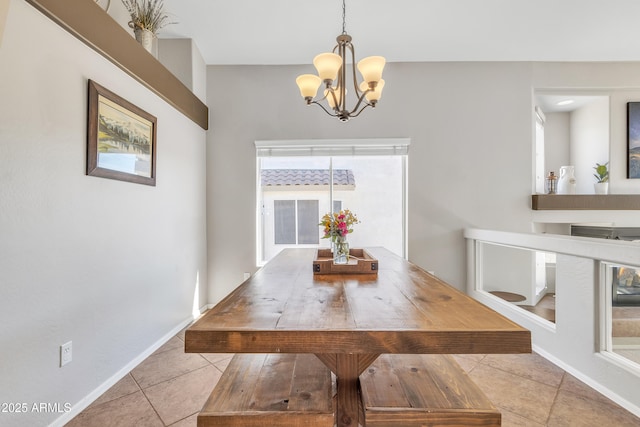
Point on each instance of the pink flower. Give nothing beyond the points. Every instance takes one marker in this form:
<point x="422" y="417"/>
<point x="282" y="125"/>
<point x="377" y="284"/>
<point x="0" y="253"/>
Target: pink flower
<point x="337" y="224"/>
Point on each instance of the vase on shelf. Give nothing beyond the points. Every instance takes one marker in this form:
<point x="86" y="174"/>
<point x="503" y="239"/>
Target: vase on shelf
<point x="147" y="39"/>
<point x="567" y="181"/>
<point x="340" y="250"/>
<point x="601" y="187"/>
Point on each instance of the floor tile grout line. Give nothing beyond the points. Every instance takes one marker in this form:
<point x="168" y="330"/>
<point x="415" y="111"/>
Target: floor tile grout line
<point x="564" y="373"/>
<point x="181" y="419"/>
<point x="555" y="399"/>
<point x="154" y="409"/>
<point x="170" y="379"/>
<point x="557" y="388"/>
<point x="94" y="405"/>
<point x="177" y="376"/>
<point x="506" y="409"/>
<point x="522" y="376"/>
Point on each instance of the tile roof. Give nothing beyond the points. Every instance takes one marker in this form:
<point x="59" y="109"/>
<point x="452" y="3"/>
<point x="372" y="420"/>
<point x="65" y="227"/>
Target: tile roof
<point x="306" y="177"/>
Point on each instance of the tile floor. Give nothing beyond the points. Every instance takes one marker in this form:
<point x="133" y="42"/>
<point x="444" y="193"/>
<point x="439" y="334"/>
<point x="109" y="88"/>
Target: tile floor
<point x="170" y="387"/>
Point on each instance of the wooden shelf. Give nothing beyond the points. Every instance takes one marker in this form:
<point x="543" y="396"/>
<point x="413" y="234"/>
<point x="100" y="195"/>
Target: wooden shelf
<point x="87" y="21"/>
<point x="610" y="202"/>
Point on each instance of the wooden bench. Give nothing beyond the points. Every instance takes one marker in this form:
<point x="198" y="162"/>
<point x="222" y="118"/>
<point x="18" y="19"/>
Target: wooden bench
<point x="401" y="390"/>
<point x="269" y="390"/>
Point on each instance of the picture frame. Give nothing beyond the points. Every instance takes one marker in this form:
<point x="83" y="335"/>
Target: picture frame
<point x="121" y="138"/>
<point x="633" y="140"/>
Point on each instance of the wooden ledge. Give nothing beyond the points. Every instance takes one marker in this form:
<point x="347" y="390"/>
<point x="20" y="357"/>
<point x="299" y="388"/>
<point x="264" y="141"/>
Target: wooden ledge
<point x="610" y="202"/>
<point x="90" y="23"/>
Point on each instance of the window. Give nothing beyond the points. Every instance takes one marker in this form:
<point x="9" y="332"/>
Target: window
<point x="284" y="213"/>
<point x="308" y="220"/>
<point x="298" y="183"/>
<point x="621" y="300"/>
<point x="540" y="165"/>
<point x="295" y="221"/>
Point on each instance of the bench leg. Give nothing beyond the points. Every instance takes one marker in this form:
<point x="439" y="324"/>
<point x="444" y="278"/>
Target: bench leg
<point x="347" y="368"/>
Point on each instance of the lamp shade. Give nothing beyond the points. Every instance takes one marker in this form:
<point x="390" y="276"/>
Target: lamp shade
<point x="328" y="65"/>
<point x="375" y="94"/>
<point x="371" y="68"/>
<point x="308" y="84"/>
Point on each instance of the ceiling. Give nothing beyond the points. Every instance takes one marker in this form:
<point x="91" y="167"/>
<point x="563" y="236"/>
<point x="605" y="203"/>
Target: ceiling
<point x="294" y="31"/>
<point x="563" y="103"/>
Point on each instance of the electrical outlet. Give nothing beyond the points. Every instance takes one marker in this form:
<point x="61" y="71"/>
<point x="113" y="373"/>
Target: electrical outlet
<point x="247" y="275"/>
<point x="65" y="353"/>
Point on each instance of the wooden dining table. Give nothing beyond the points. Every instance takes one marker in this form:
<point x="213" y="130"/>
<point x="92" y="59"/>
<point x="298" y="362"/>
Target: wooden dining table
<point x="348" y="320"/>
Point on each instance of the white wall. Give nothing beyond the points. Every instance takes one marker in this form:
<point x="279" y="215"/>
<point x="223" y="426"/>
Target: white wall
<point x="184" y="60"/>
<point x="4" y="9"/>
<point x="556" y="147"/>
<point x="110" y="265"/>
<point x="511" y="271"/>
<point x="470" y="161"/>
<point x="589" y="142"/>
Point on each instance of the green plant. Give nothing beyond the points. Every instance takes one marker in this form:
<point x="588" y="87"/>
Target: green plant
<point x="147" y="14"/>
<point x="602" y="172"/>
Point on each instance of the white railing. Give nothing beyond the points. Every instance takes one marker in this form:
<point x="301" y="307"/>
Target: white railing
<point x="579" y="341"/>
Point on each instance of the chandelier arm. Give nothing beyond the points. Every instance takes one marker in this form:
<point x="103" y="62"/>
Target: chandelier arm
<point x="361" y="110"/>
<point x="323" y="98"/>
<point x="325" y="110"/>
<point x="353" y="69"/>
<point x="360" y="100"/>
<point x="343" y="79"/>
<point x="333" y="95"/>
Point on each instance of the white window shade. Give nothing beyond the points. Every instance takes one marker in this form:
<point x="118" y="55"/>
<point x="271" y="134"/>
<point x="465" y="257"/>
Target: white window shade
<point x="333" y="147"/>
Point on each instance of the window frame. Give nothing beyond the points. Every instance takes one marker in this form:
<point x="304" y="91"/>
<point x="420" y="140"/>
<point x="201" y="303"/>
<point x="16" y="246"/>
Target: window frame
<point x="332" y="148"/>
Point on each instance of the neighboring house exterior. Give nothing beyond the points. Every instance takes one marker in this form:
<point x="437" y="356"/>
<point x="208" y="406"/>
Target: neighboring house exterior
<point x="294" y="200"/>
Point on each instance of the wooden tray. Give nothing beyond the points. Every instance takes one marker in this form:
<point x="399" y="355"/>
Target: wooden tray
<point x="360" y="262"/>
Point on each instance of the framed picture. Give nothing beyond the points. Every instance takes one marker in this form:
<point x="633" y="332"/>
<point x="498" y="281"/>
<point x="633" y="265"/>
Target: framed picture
<point x="633" y="140"/>
<point x="121" y="138"/>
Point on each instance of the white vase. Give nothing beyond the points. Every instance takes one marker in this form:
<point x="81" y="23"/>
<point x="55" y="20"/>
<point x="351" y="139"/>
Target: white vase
<point x="567" y="181"/>
<point x="601" y="187"/>
<point x="147" y="39"/>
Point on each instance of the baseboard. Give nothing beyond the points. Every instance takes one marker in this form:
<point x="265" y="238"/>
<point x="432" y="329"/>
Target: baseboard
<point x="100" y="390"/>
<point x="634" y="409"/>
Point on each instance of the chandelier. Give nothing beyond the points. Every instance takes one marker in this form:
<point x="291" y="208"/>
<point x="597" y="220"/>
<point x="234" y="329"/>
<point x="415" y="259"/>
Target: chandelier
<point x="332" y="68"/>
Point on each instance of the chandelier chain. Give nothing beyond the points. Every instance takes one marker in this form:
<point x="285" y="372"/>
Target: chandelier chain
<point x="344" y="17"/>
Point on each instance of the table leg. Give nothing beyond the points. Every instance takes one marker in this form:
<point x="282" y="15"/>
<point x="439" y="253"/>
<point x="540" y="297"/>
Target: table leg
<point x="347" y="368"/>
<point x="347" y="399"/>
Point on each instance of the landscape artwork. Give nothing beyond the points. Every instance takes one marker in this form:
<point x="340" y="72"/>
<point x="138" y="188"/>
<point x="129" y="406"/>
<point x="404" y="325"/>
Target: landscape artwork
<point x="124" y="139"/>
<point x="121" y="138"/>
<point x="633" y="139"/>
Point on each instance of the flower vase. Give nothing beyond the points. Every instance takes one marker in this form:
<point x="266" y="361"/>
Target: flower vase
<point x="341" y="250"/>
<point x="147" y="39"/>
